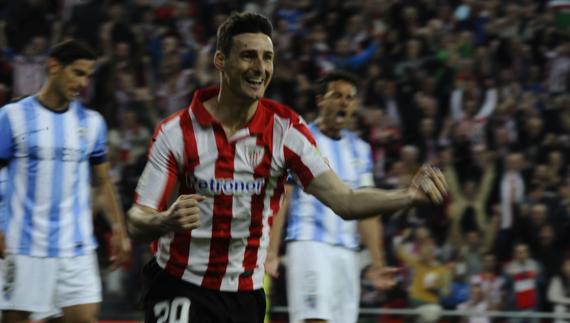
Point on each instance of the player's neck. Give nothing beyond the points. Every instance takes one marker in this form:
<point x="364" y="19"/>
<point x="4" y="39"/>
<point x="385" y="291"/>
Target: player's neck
<point x="48" y="98"/>
<point x="331" y="133"/>
<point x="231" y="112"/>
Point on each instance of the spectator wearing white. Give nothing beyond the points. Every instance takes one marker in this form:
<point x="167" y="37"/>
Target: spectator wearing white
<point x="476" y="303"/>
<point x="559" y="291"/>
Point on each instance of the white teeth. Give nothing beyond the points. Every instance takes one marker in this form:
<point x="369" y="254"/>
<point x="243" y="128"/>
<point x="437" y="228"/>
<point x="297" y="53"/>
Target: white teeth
<point x="257" y="82"/>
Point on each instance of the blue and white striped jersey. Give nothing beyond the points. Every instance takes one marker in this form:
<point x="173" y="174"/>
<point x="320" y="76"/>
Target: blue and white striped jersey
<point x="48" y="195"/>
<point x="3" y="181"/>
<point x="308" y="219"/>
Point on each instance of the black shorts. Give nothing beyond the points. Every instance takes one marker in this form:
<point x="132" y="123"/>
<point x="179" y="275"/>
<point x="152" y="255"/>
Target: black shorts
<point x="169" y="299"/>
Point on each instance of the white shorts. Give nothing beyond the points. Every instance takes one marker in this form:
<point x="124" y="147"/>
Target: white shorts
<point x="46" y="285"/>
<point x="323" y="282"/>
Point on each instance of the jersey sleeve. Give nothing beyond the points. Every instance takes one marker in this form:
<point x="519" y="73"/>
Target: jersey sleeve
<point x="367" y="170"/>
<point x="302" y="156"/>
<point x="7" y="145"/>
<point x="160" y="174"/>
<point x="99" y="153"/>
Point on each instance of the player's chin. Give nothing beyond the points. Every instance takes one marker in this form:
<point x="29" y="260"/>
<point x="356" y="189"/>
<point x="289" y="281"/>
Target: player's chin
<point x="254" y="95"/>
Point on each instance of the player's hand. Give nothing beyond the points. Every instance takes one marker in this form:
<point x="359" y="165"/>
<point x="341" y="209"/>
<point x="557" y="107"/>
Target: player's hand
<point x="428" y="185"/>
<point x="2" y="245"/>
<point x="183" y="214"/>
<point x="382" y="278"/>
<point x="272" y="265"/>
<point x="120" y="248"/>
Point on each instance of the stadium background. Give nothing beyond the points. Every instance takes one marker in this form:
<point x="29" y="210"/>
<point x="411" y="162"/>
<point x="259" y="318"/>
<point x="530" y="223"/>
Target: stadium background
<point x="476" y="87"/>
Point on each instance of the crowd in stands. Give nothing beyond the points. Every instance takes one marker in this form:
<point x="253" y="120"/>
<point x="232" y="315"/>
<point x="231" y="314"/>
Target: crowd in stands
<point x="479" y="88"/>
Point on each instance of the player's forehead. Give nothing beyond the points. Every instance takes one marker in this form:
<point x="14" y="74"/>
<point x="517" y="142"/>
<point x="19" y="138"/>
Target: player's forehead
<point x="341" y="86"/>
<point x="83" y="65"/>
<point x="258" y="42"/>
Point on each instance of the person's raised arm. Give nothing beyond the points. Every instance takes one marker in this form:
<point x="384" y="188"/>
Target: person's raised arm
<point x="427" y="185"/>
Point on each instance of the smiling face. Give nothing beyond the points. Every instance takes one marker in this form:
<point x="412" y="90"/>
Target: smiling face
<point x="247" y="70"/>
<point x="337" y="105"/>
<point x="70" y="80"/>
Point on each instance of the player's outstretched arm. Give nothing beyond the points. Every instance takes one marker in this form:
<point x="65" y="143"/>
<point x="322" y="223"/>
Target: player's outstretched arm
<point x="147" y="224"/>
<point x="428" y="185"/>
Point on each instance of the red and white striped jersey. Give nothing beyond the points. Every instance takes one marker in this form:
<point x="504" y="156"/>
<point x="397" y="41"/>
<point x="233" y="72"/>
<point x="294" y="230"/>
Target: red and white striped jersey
<point x="524" y="277"/>
<point x="242" y="178"/>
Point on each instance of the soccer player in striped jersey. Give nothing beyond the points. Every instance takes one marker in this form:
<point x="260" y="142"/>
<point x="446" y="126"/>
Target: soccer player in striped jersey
<point x="51" y="148"/>
<point x="323" y="277"/>
<point x="215" y="177"/>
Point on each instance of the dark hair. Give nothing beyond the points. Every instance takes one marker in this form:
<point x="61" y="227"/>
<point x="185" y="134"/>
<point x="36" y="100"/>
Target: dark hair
<point x="69" y="51"/>
<point x="338" y="75"/>
<point x="241" y="23"/>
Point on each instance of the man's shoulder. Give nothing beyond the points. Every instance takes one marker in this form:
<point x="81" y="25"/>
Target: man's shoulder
<point x="280" y="109"/>
<point x="14" y="104"/>
<point x="89" y="112"/>
<point x="172" y="122"/>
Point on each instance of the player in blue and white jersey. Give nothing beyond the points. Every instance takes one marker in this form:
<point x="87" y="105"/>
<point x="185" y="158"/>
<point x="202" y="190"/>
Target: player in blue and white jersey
<point x="323" y="278"/>
<point x="52" y="148"/>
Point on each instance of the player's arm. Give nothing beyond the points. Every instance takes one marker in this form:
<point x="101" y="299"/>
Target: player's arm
<point x="371" y="234"/>
<point x="272" y="262"/>
<point x="6" y="139"/>
<point x="380" y="276"/>
<point x="147" y="224"/>
<point x="302" y="156"/>
<point x="428" y="185"/>
<point x="151" y="217"/>
<point x="6" y="153"/>
<point x="120" y="244"/>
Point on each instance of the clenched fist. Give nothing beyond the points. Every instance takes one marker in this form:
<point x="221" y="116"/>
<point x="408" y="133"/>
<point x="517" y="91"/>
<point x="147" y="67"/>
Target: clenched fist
<point x="183" y="214"/>
<point x="428" y="185"/>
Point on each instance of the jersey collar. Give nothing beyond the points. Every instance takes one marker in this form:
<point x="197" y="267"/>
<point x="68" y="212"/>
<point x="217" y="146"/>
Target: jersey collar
<point x="255" y="126"/>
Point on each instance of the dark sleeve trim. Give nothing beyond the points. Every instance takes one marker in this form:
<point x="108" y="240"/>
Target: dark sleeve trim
<point x="96" y="160"/>
<point x="3" y="163"/>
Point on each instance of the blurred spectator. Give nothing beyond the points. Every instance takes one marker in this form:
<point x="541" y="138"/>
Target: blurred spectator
<point x="512" y="188"/>
<point x="559" y="290"/>
<point x="130" y="139"/>
<point x="458" y="285"/>
<point x="476" y="303"/>
<point x="523" y="274"/>
<point x="559" y="69"/>
<point x="430" y="279"/>
<point x="491" y="282"/>
<point x="29" y="70"/>
<point x="468" y="202"/>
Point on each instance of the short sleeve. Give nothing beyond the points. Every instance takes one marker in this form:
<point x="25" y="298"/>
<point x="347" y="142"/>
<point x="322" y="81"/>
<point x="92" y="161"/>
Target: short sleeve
<point x="7" y="145"/>
<point x="302" y="155"/>
<point x="99" y="153"/>
<point x="367" y="171"/>
<point x="160" y="174"/>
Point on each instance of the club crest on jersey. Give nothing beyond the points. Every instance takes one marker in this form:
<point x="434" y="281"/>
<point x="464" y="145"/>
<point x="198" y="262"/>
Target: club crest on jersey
<point x="254" y="155"/>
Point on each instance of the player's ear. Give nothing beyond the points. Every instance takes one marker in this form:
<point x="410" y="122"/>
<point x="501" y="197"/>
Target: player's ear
<point x="319" y="98"/>
<point x="53" y="66"/>
<point x="219" y="59"/>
